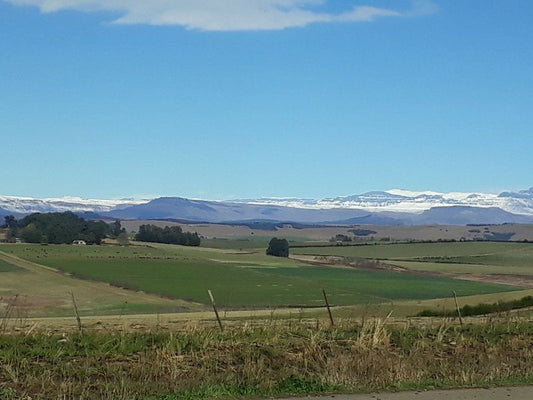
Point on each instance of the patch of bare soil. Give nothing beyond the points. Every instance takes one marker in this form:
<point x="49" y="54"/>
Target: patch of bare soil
<point x="504" y="393"/>
<point x="27" y="303"/>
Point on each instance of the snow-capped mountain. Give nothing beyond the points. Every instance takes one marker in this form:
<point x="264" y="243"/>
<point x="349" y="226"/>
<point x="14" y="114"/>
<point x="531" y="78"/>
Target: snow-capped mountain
<point x="405" y="201"/>
<point x="392" y="207"/>
<point x="27" y="205"/>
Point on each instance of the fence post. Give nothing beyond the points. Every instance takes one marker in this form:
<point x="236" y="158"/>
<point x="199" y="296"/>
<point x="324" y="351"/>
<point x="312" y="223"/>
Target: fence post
<point x="457" y="308"/>
<point x="215" y="309"/>
<point x="327" y="306"/>
<point x="78" y="319"/>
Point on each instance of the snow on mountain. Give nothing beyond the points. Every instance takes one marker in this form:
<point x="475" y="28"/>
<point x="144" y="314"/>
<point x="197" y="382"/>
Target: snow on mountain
<point x="390" y="201"/>
<point x="26" y="205"/>
<point x="405" y="201"/>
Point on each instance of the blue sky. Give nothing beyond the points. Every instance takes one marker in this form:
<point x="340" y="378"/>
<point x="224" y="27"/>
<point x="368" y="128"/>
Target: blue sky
<point x="223" y="99"/>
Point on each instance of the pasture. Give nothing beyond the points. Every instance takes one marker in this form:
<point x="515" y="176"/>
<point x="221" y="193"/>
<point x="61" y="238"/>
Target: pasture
<point x="8" y="267"/>
<point x="487" y="259"/>
<point x="241" y="278"/>
<point x="444" y="251"/>
<point x="148" y="330"/>
<point x="29" y="289"/>
<point x="517" y="232"/>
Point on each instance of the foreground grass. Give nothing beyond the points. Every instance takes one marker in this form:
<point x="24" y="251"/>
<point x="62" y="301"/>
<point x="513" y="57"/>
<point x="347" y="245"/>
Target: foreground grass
<point x="278" y="358"/>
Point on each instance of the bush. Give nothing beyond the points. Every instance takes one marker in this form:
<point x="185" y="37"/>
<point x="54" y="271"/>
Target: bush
<point x="278" y="248"/>
<point x="482" y="308"/>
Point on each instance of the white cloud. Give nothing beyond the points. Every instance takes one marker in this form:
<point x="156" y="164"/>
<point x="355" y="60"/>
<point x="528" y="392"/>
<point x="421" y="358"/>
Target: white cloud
<point x="224" y="15"/>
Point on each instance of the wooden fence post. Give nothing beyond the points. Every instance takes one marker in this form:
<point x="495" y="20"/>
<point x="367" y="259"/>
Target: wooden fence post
<point x="457" y="308"/>
<point x="327" y="306"/>
<point x="215" y="309"/>
<point x="78" y="319"/>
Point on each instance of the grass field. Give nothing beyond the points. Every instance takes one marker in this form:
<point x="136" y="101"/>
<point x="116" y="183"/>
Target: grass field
<point x="283" y="352"/>
<point x="129" y="350"/>
<point x="8" y="267"/>
<point x="247" y="361"/>
<point x="324" y="233"/>
<point x="244" y="279"/>
<point x="458" y="258"/>
<point x="412" y="251"/>
<point x="29" y="290"/>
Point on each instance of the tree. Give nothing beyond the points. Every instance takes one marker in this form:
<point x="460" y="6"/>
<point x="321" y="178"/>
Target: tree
<point x="61" y="228"/>
<point x="168" y="234"/>
<point x="122" y="239"/>
<point x="278" y="248"/>
<point x="10" y="222"/>
<point x="30" y="234"/>
<point x="11" y="226"/>
<point x="116" y="229"/>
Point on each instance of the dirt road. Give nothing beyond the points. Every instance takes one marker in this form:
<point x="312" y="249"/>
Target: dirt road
<point x="508" y="393"/>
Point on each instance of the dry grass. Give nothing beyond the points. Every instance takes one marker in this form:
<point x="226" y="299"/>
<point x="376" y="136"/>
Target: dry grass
<point x="420" y="232"/>
<point x="273" y="357"/>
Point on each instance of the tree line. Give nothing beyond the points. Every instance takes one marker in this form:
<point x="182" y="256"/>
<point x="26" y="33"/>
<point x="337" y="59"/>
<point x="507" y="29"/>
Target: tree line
<point x="168" y="234"/>
<point x="66" y="227"/>
<point x="56" y="228"/>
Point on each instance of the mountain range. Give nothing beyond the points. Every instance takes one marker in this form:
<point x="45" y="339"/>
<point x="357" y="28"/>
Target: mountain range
<point x="392" y="207"/>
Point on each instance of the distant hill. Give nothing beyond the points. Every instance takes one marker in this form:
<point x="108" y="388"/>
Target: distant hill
<point x="393" y="207"/>
<point x="458" y="215"/>
<point x="223" y="212"/>
<point x="216" y="211"/>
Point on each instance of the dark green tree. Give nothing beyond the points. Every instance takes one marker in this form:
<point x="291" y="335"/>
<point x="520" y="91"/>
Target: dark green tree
<point x="62" y="228"/>
<point x="31" y="234"/>
<point x="11" y="225"/>
<point x="116" y="228"/>
<point x="10" y="222"/>
<point x="278" y="248"/>
<point x="168" y="234"/>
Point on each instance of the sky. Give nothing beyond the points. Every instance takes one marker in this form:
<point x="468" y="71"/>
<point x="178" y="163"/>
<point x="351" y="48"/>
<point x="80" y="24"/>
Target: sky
<point x="222" y="99"/>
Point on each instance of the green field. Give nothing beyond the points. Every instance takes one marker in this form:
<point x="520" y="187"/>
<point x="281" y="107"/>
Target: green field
<point x="8" y="267"/>
<point x="242" y="279"/>
<point x="485" y="258"/>
<point x="463" y="251"/>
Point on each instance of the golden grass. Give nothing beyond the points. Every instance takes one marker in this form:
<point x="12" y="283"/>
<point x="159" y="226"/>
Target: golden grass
<point x="272" y="358"/>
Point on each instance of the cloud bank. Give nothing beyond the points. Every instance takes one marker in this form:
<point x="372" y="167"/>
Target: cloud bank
<point x="225" y="15"/>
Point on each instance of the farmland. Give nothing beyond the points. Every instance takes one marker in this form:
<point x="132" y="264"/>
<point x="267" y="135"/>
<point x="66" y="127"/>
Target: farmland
<point x="148" y="331"/>
<point x="244" y="277"/>
<point x="368" y="232"/>
<point x="28" y="289"/>
<point x="488" y="261"/>
<point x="448" y="251"/>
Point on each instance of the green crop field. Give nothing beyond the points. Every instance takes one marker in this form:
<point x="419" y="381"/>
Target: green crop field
<point x="488" y="258"/>
<point x="457" y="250"/>
<point x="240" y="279"/>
